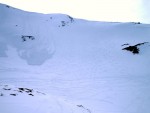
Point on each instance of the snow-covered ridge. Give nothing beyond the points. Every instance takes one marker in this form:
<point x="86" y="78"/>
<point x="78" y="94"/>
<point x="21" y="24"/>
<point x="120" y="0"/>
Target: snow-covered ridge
<point x="25" y="31"/>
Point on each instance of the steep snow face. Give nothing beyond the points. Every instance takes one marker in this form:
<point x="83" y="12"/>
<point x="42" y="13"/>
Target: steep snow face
<point x="82" y="63"/>
<point x="29" y="33"/>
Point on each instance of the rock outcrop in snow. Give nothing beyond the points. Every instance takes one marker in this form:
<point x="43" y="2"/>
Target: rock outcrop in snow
<point x="135" y="49"/>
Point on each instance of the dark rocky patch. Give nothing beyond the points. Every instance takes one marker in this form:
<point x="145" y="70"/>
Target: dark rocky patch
<point x="31" y="94"/>
<point x="13" y="94"/>
<point x="17" y="91"/>
<point x="132" y="49"/>
<point x="71" y="18"/>
<point x="26" y="37"/>
<point x="80" y="105"/>
<point x="135" y="48"/>
<point x="137" y="22"/>
<point x="7" y="88"/>
<point x="125" y="44"/>
<point x="141" y="43"/>
<point x="7" y="6"/>
<point x="1" y="94"/>
<point x="21" y="89"/>
<point x="27" y="90"/>
<point x="66" y="23"/>
<point x="63" y="23"/>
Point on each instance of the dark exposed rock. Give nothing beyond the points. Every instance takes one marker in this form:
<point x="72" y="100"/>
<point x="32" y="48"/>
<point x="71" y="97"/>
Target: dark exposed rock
<point x="71" y="18"/>
<point x="63" y="23"/>
<point x="1" y="94"/>
<point x="28" y="90"/>
<point x="137" y="22"/>
<point x="125" y="44"/>
<point x="7" y="88"/>
<point x="80" y="105"/>
<point x="7" y="6"/>
<point x="31" y="94"/>
<point x="67" y="22"/>
<point x="13" y="94"/>
<point x="18" y="91"/>
<point x="22" y="89"/>
<point x="135" y="48"/>
<point x="141" y="43"/>
<point x="25" y="37"/>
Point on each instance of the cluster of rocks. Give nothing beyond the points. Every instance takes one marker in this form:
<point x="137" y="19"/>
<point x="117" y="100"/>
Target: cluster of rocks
<point x="26" y="37"/>
<point x="65" y="23"/>
<point x="7" y="90"/>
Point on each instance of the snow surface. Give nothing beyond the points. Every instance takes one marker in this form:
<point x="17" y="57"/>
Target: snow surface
<point x="79" y="66"/>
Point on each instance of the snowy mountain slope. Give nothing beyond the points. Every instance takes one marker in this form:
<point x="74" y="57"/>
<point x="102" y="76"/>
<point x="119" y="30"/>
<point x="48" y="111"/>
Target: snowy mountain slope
<point x="24" y="100"/>
<point x="19" y="31"/>
<point x="79" y="63"/>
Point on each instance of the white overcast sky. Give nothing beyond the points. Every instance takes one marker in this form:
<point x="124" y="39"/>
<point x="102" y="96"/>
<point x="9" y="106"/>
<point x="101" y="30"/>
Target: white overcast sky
<point x="100" y="10"/>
